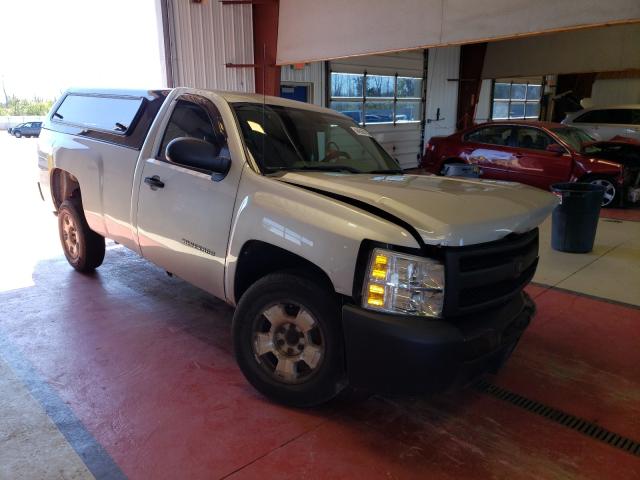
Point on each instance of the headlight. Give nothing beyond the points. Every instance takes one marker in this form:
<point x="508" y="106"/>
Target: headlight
<point x="400" y="283"/>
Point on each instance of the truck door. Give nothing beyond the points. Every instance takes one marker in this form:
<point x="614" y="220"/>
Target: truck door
<point x="183" y="215"/>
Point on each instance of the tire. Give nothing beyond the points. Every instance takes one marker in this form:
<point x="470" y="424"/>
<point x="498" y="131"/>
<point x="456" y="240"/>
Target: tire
<point x="17" y="134"/>
<point x="83" y="248"/>
<point x="611" y="191"/>
<point x="282" y="322"/>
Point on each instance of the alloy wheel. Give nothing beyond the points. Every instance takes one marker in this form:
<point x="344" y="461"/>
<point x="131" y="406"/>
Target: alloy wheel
<point x="70" y="236"/>
<point x="609" y="190"/>
<point x="288" y="343"/>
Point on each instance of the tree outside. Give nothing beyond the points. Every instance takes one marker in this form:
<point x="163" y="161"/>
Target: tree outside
<point x="15" y="106"/>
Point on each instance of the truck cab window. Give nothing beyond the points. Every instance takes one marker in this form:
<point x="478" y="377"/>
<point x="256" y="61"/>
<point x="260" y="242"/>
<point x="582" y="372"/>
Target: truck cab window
<point x="192" y="120"/>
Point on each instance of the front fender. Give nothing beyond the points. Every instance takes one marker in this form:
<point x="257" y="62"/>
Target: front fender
<point x="322" y="230"/>
<point x="597" y="167"/>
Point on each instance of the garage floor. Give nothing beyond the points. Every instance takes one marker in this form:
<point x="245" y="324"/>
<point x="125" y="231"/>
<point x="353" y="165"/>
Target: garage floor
<point x="129" y="373"/>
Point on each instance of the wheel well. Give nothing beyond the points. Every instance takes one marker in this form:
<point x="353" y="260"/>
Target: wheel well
<point x="63" y="186"/>
<point x="258" y="259"/>
<point x="593" y="176"/>
<point x="453" y="160"/>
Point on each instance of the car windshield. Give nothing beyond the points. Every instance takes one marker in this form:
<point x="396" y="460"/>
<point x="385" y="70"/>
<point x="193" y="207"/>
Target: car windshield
<point x="575" y="137"/>
<point x="284" y="138"/>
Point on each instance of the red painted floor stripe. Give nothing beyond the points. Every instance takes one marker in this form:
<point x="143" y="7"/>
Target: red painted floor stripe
<point x="630" y="214"/>
<point x="463" y="436"/>
<point x="145" y="363"/>
<point x="581" y="355"/>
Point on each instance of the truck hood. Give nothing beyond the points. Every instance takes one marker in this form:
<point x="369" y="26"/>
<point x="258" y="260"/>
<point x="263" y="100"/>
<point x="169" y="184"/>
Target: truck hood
<point x="443" y="210"/>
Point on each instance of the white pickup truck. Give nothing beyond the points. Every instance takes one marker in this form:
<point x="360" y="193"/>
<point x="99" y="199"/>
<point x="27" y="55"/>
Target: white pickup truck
<point x="343" y="270"/>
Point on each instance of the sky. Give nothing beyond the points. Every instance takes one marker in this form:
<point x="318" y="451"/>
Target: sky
<point x="47" y="46"/>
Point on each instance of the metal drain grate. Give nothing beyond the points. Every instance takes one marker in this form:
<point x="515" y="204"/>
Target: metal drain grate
<point x="575" y="423"/>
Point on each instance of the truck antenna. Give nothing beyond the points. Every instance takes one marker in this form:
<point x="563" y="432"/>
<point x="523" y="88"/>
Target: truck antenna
<point x="264" y="99"/>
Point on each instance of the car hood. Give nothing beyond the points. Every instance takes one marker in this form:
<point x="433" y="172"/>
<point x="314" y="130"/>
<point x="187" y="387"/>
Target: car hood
<point x="628" y="155"/>
<point x="443" y="210"/>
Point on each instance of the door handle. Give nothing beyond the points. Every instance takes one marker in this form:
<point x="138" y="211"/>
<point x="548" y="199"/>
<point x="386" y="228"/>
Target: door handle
<point x="518" y="155"/>
<point x="154" y="182"/>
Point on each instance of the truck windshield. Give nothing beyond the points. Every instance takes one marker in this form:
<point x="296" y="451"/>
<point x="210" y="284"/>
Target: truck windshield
<point x="284" y="138"/>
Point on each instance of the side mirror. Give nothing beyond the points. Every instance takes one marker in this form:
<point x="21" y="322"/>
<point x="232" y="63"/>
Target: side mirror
<point x="196" y="153"/>
<point x="555" y="148"/>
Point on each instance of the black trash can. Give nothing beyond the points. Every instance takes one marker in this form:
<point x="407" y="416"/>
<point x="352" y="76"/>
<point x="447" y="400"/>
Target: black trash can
<point x="575" y="220"/>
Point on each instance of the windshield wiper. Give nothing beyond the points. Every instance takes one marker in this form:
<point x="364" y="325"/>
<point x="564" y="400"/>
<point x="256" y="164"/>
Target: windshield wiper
<point x="388" y="172"/>
<point x="326" y="168"/>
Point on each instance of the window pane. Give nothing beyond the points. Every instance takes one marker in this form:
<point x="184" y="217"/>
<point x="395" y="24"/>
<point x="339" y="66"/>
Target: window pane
<point x="378" y="112"/>
<point x="380" y="86"/>
<point x="501" y="91"/>
<point x="532" y="110"/>
<point x="282" y="138"/>
<point x="346" y="84"/>
<point x="500" y="110"/>
<point x="533" y="138"/>
<point x="409" y="87"/>
<point x="613" y="116"/>
<point x="518" y="91"/>
<point x="351" y="109"/>
<point x="619" y="116"/>
<point x="407" y="111"/>
<point x="534" y="92"/>
<point x="102" y="113"/>
<point x="191" y="120"/>
<point x="494" y="135"/>
<point x="516" y="110"/>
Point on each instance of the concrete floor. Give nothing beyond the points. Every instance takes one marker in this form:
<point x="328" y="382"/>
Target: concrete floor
<point x="129" y="374"/>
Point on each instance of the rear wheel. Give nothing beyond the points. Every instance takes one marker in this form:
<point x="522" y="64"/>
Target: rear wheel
<point x="610" y="190"/>
<point x="288" y="341"/>
<point x="443" y="169"/>
<point x="83" y="248"/>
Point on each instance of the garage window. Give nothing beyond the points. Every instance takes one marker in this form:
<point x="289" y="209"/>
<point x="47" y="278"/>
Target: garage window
<point x="377" y="98"/>
<point x="513" y="100"/>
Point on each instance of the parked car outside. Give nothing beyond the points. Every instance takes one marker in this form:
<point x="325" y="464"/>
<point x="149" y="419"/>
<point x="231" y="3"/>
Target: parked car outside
<point x="541" y="154"/>
<point x="605" y="123"/>
<point x="28" y="129"/>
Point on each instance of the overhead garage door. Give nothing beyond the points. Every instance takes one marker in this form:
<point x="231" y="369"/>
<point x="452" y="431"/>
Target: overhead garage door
<point x="384" y="93"/>
<point x="309" y="30"/>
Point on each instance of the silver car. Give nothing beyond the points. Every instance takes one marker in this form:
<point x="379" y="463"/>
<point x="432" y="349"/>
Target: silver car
<point x="604" y="123"/>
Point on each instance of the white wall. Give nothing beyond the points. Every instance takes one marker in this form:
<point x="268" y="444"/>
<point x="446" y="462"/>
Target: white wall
<point x="313" y="73"/>
<point x="444" y="64"/>
<point x="615" y="91"/>
<point x="483" y="109"/>
<point x="312" y="30"/>
<point x="204" y="37"/>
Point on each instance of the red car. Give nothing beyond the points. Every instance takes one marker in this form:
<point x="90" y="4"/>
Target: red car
<point x="540" y="154"/>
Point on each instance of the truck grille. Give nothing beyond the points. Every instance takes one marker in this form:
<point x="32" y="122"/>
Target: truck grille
<point x="485" y="275"/>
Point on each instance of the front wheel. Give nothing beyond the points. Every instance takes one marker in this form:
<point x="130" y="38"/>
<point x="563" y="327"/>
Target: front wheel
<point x="83" y="247"/>
<point x="17" y="134"/>
<point x="288" y="340"/>
<point x="610" y="190"/>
